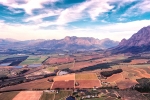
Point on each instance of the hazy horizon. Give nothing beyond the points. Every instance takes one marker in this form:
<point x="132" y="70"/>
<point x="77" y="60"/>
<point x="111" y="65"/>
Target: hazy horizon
<point x="56" y="19"/>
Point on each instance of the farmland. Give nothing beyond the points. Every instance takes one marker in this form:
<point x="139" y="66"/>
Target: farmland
<point x="34" y="60"/>
<point x="8" y="95"/>
<point x="69" y="84"/>
<point x="37" y="84"/>
<point x="14" y="61"/>
<point x="47" y="96"/>
<point x="62" y="95"/>
<point x="65" y="77"/>
<point x="59" y="60"/>
<point x="88" y="83"/>
<point x="28" y="95"/>
<point x="84" y="73"/>
<point x="86" y="76"/>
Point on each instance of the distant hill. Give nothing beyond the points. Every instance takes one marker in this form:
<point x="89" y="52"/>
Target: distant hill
<point x="139" y="42"/>
<point x="68" y="43"/>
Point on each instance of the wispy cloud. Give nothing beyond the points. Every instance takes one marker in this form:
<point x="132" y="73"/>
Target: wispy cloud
<point x="27" y="5"/>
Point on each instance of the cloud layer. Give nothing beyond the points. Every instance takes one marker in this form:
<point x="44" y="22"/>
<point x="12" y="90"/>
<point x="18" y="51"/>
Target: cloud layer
<point x="59" y="18"/>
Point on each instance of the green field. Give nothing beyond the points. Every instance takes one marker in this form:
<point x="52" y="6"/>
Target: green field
<point x="47" y="96"/>
<point x="8" y="95"/>
<point x="62" y="95"/>
<point x="34" y="60"/>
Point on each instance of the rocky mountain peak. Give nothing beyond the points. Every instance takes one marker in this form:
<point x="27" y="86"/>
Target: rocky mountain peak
<point x="141" y="38"/>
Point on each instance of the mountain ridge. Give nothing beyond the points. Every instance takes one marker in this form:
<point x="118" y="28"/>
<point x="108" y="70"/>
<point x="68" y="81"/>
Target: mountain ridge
<point x="137" y="43"/>
<point x="65" y="43"/>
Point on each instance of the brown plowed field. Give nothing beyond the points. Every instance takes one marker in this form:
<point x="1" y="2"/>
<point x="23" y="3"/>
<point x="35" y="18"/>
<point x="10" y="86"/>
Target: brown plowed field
<point x="59" y="60"/>
<point x="64" y="77"/>
<point x="63" y="84"/>
<point x="88" y="83"/>
<point x="86" y="76"/>
<point x="115" y="77"/>
<point x="126" y="83"/>
<point x="28" y="95"/>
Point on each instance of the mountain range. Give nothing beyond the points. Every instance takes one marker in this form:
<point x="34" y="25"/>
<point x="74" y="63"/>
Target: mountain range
<point x="139" y="42"/>
<point x="68" y="43"/>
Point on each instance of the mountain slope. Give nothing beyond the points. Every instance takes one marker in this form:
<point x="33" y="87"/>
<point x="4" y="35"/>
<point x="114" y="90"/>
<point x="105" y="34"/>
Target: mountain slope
<point x="139" y="42"/>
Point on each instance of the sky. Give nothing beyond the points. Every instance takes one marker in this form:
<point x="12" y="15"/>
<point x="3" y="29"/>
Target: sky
<point x="55" y="19"/>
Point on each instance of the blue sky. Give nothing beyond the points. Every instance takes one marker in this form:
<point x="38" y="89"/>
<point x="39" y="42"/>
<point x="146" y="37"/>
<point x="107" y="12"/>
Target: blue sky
<point x="55" y="19"/>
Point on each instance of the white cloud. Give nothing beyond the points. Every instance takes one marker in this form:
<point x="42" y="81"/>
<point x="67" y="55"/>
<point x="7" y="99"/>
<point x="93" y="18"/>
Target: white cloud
<point x="46" y="13"/>
<point x="138" y="9"/>
<point x="83" y="10"/>
<point x="28" y="5"/>
<point x="116" y="31"/>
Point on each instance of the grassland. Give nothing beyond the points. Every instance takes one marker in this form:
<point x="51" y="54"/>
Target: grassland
<point x="34" y="60"/>
<point x="47" y="96"/>
<point x="86" y="76"/>
<point x="8" y="95"/>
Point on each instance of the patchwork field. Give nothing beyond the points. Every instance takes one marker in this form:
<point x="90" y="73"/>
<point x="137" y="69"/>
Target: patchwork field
<point x="28" y="95"/>
<point x="88" y="83"/>
<point x="63" y="84"/>
<point x="34" y="60"/>
<point x="86" y="76"/>
<point x="37" y="84"/>
<point x="64" y="77"/>
<point x="8" y="95"/>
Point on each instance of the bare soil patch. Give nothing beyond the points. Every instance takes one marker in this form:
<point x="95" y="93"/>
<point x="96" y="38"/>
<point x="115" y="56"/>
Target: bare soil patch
<point x="64" y="77"/>
<point x="88" y="83"/>
<point x="28" y="95"/>
<point x="86" y="76"/>
<point x="63" y="84"/>
<point x="126" y="83"/>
